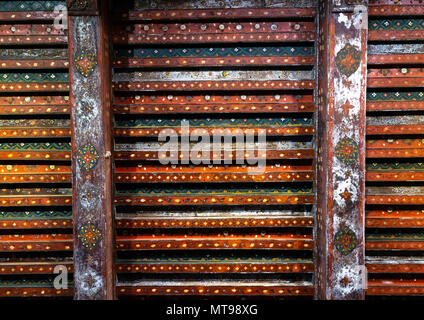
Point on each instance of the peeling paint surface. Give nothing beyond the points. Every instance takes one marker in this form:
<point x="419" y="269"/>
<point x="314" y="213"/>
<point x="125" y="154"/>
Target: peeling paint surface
<point x="88" y="159"/>
<point x="341" y="217"/>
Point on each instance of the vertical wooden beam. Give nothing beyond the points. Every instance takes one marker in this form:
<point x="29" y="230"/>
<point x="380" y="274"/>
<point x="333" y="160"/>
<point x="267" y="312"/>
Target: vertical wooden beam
<point x="91" y="149"/>
<point x="342" y="75"/>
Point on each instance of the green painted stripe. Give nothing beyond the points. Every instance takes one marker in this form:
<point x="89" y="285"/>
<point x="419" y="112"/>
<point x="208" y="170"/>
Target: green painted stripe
<point x="30" y="5"/>
<point x="33" y="77"/>
<point x="396" y="24"/>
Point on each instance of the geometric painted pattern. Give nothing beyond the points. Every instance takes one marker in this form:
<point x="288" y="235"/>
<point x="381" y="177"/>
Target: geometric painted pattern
<point x="86" y="107"/>
<point x="87" y="157"/>
<point x="395" y="96"/>
<point x="396" y="24"/>
<point x="252" y="122"/>
<point x="143" y="53"/>
<point x="345" y="241"/>
<point x="347" y="151"/>
<point x="34" y="77"/>
<point x="348" y="60"/>
<point x="85" y="62"/>
<point x="29" y="5"/>
<point x="89" y="235"/>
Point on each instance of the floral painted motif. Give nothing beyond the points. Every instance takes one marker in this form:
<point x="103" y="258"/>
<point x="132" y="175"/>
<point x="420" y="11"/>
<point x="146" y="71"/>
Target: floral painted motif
<point x="85" y="62"/>
<point x="347" y="151"/>
<point x="89" y="235"/>
<point x="91" y="283"/>
<point x="348" y="60"/>
<point x="87" y="157"/>
<point x="86" y="108"/>
<point x="345" y="241"/>
<point x="90" y="195"/>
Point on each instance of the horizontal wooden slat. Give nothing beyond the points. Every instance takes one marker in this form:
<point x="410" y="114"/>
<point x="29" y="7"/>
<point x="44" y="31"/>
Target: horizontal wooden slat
<point x="30" y="87"/>
<point x="396" y="29"/>
<point x="35" y="197"/>
<point x="35" y="151"/>
<point x="40" y="290"/>
<point x="35" y="174"/>
<point x="270" y="126"/>
<point x="11" y="16"/>
<point x="395" y="100"/>
<point x="402" y="54"/>
<point x="34" y="267"/>
<point x="200" y="5"/>
<point x="27" y="34"/>
<point x="211" y="104"/>
<point x="211" y="32"/>
<point x="214" y="242"/>
<point x="29" y="6"/>
<point x="395" y="148"/>
<point x="387" y="78"/>
<point x="395" y="8"/>
<point x="19" y="82"/>
<point x="395" y="105"/>
<point x="213" y="80"/>
<point x="35" y="219"/>
<point x="215" y="196"/>
<point x="214" y="14"/>
<point x="37" y="242"/>
<point x="408" y="171"/>
<point x="36" y="105"/>
<point x="216" y="288"/>
<point x="249" y="155"/>
<point x="394" y="219"/>
<point x="392" y="35"/>
<point x="395" y="176"/>
<point x="395" y="287"/>
<point x="395" y="264"/>
<point x="154" y="174"/>
<point x="274" y="150"/>
<point x="28" y="10"/>
<point x="394" y="241"/>
<point x="395" y="125"/>
<point x="225" y="56"/>
<point x="214" y="265"/>
<point x="214" y="219"/>
<point x="34" y="128"/>
<point x="33" y="58"/>
<point x="395" y="195"/>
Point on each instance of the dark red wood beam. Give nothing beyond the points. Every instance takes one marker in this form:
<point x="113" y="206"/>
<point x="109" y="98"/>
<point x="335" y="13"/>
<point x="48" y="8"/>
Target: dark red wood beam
<point x="91" y="150"/>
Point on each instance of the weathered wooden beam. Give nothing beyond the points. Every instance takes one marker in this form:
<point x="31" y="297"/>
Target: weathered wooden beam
<point x="342" y="75"/>
<point x="89" y="56"/>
